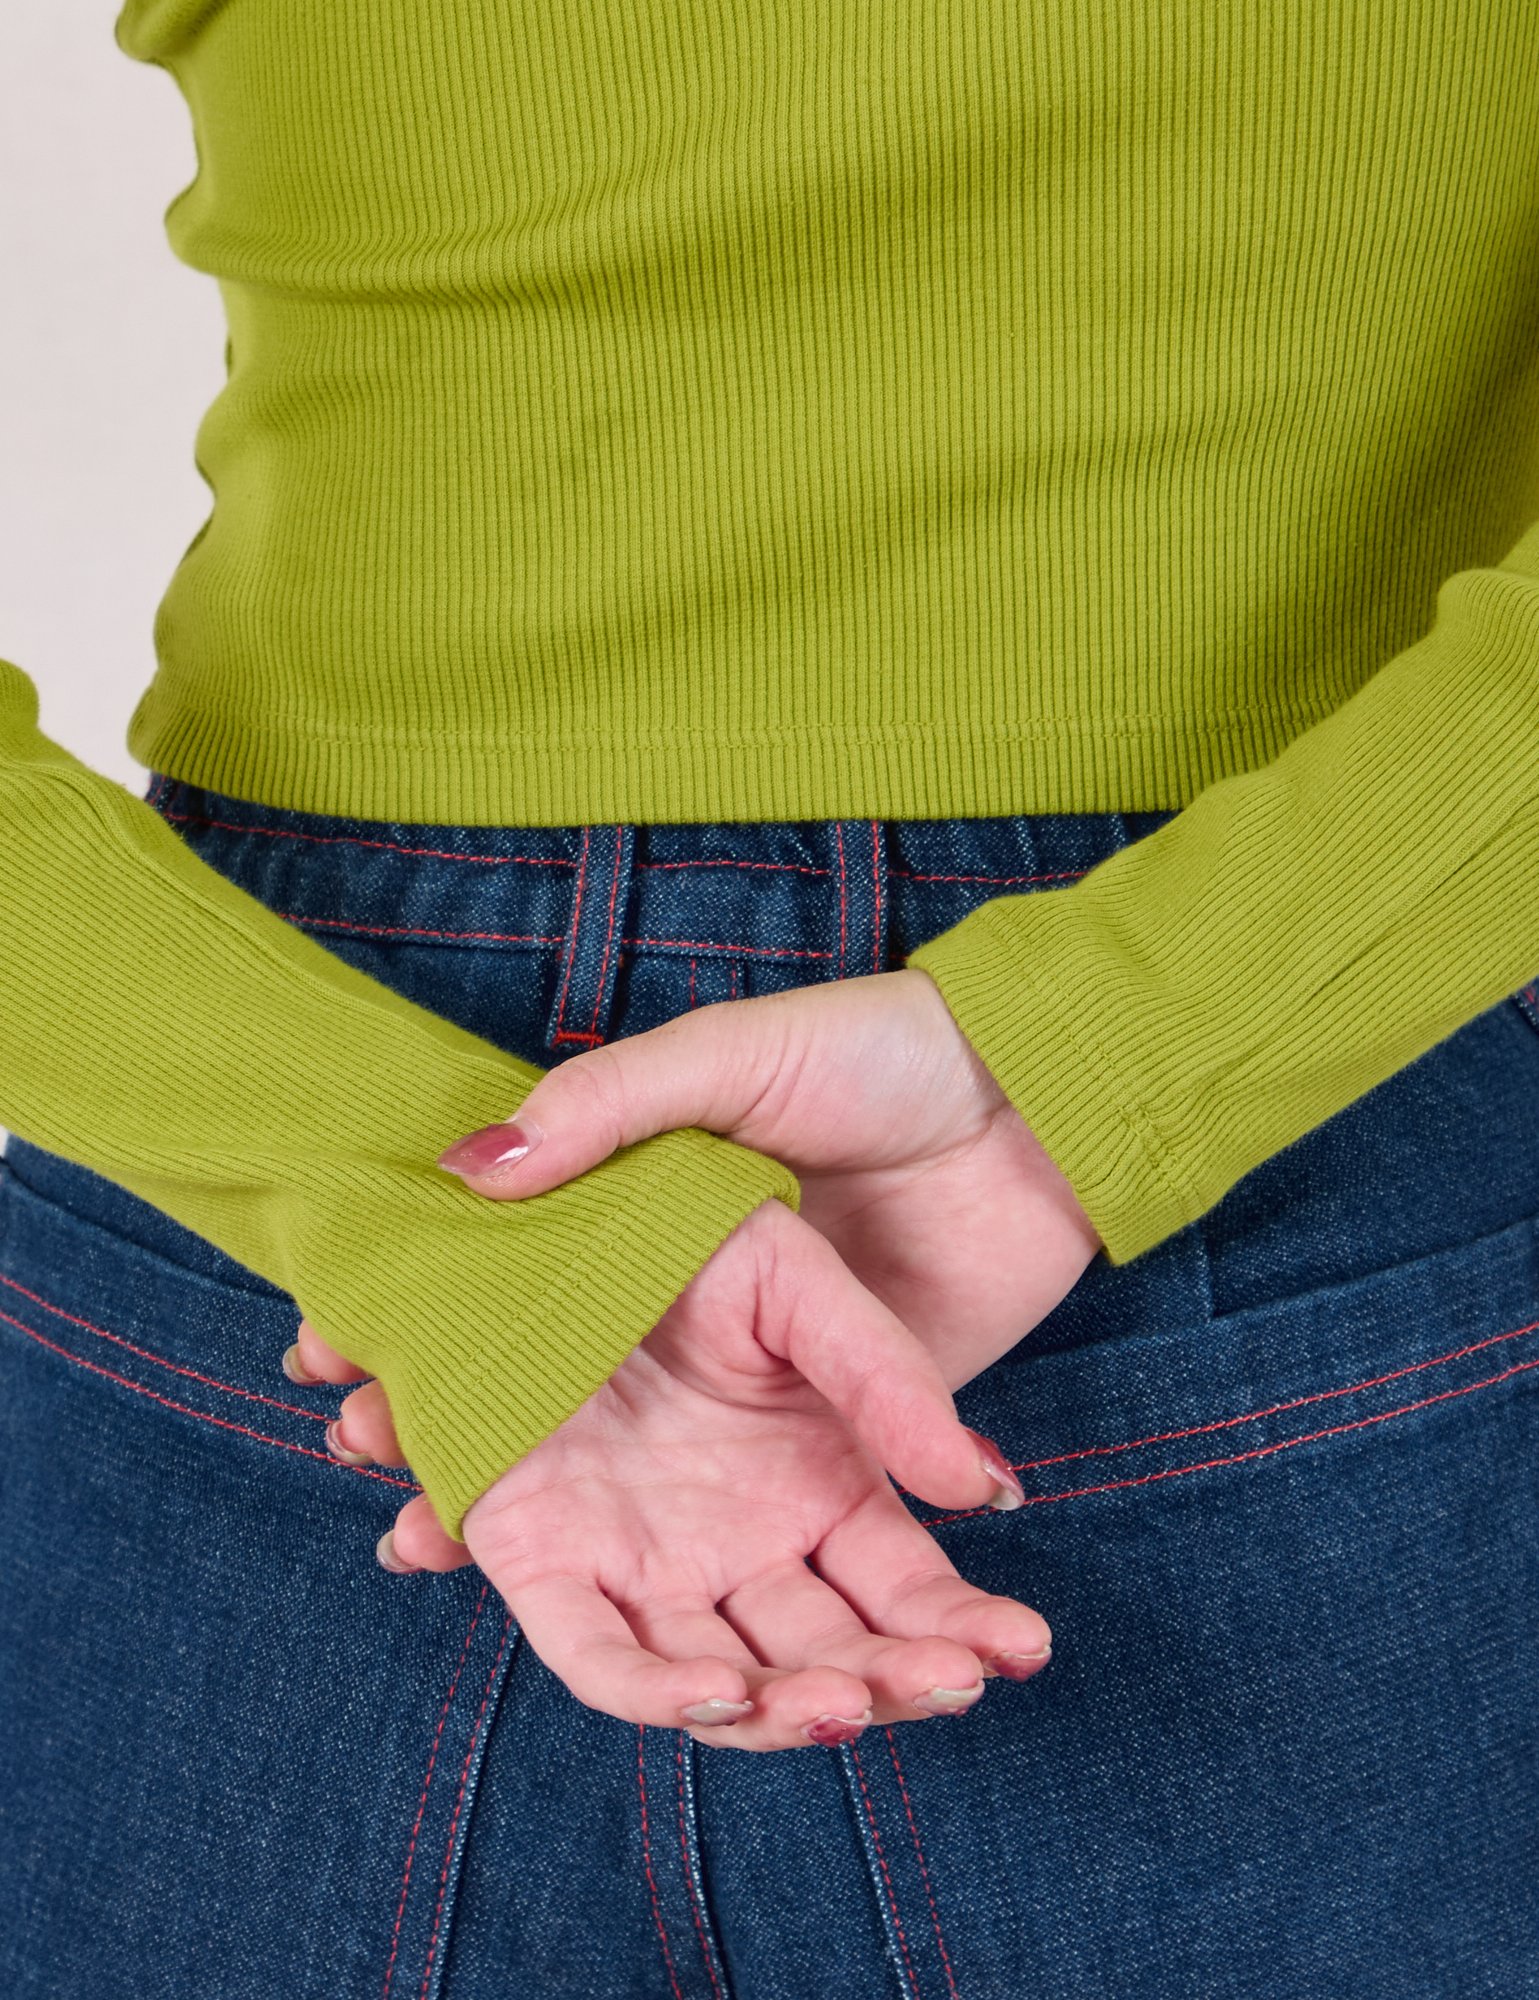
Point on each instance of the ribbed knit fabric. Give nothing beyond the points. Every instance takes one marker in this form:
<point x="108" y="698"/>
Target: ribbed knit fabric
<point x="163" y="1027"/>
<point x="817" y="408"/>
<point x="706" y="410"/>
<point x="1290" y="940"/>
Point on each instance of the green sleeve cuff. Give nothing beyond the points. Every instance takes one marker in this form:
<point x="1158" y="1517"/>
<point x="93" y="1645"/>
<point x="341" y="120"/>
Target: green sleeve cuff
<point x="1294" y="937"/>
<point x="161" y="1026"/>
<point x="1047" y="1055"/>
<point x="516" y="1318"/>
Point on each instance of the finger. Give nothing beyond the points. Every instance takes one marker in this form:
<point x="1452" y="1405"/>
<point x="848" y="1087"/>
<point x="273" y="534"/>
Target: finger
<point x="587" y="1643"/>
<point x="419" y="1540"/>
<point x="805" y="1697"/>
<point x="679" y="1629"/>
<point x="707" y="1068"/>
<point x="311" y="1360"/>
<point x="364" y="1430"/>
<point x="814" y="1313"/>
<point x="820" y="1705"/>
<point x="793" y="1618"/>
<point x="896" y="1578"/>
<point x="1009" y="1639"/>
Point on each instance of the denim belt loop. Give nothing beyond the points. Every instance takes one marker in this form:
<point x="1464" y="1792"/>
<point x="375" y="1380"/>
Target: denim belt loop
<point x="860" y="869"/>
<point x="590" y="958"/>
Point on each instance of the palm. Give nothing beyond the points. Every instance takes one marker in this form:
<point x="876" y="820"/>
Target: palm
<point x="714" y="1524"/>
<point x="692" y="1517"/>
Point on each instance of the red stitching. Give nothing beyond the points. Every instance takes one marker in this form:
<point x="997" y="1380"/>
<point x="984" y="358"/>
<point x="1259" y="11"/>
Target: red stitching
<point x="1278" y="1409"/>
<point x="355" y="840"/>
<point x="144" y="1354"/>
<point x="609" y="936"/>
<point x="302" y="1450"/>
<point x="401" y="930"/>
<point x="732" y="989"/>
<point x="646" y="1856"/>
<point x="924" y="1872"/>
<point x="1261" y="1451"/>
<point x="734" y="950"/>
<point x="589" y="1038"/>
<point x="689" y="1877"/>
<point x="843" y="898"/>
<point x="443" y="1880"/>
<point x="790" y="867"/>
<point x="395" y="1935"/>
<point x="892" y="1901"/>
<point x="571" y="956"/>
<point x="876" y="878"/>
<point x="1068" y="875"/>
<point x="691" y="986"/>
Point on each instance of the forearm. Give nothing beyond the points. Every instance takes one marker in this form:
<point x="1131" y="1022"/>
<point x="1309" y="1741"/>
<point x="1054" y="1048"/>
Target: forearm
<point x="162" y="1027"/>
<point x="1289" y="941"/>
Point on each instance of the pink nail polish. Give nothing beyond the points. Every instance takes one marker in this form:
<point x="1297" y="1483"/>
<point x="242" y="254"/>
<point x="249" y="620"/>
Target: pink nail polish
<point x="339" y="1450"/>
<point x="294" y="1368"/>
<point x="493" y="1151"/>
<point x="947" y="1701"/>
<point x="1009" y="1493"/>
<point x="832" y="1730"/>
<point x="1020" y="1666"/>
<point x="385" y="1555"/>
<point x="716" y="1714"/>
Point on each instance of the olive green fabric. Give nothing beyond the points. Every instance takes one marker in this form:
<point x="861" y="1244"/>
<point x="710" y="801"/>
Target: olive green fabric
<point x="1290" y="940"/>
<point x="709" y="411"/>
<point x="705" y="412"/>
<point x="164" y="1028"/>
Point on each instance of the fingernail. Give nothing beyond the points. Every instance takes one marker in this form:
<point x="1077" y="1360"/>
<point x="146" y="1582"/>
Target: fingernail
<point x="716" y="1714"/>
<point x="832" y="1730"/>
<point x="385" y="1555"/>
<point x="1019" y="1666"/>
<point x="294" y="1368"/>
<point x="1008" y="1493"/>
<point x="493" y="1151"/>
<point x="339" y="1450"/>
<point x="947" y="1701"/>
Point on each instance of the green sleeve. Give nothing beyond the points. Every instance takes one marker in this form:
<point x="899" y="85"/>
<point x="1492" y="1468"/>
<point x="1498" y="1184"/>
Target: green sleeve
<point x="160" y="1026"/>
<point x="1291" y="939"/>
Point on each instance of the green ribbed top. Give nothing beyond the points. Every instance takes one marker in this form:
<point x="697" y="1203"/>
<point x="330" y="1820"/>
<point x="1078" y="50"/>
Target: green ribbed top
<point x="703" y="410"/>
<point x="805" y="408"/>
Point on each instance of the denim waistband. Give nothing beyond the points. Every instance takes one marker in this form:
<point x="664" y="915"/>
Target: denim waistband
<point x="614" y="913"/>
<point x="546" y="940"/>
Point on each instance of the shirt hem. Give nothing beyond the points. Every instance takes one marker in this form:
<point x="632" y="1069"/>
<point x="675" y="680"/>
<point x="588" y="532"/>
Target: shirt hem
<point x="657" y="777"/>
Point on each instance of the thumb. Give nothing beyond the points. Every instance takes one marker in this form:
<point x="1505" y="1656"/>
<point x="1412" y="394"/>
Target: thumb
<point x="706" y="1069"/>
<point x="813" y="1312"/>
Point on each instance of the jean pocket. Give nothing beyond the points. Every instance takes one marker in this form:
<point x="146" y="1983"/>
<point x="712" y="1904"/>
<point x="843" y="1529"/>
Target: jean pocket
<point x="203" y="1344"/>
<point x="1179" y="1405"/>
<point x="1291" y="1562"/>
<point x="240" y="1755"/>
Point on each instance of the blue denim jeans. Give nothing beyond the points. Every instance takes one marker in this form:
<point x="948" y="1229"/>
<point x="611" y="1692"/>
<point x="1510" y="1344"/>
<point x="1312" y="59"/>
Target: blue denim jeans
<point x="1283" y="1515"/>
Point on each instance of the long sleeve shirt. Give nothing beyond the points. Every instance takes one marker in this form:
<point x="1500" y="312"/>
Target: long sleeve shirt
<point x="713" y="411"/>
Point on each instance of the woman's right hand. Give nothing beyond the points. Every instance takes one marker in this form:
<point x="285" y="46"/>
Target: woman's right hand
<point x="912" y="1162"/>
<point x="713" y="1526"/>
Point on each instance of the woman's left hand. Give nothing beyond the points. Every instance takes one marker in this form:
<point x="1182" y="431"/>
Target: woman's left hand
<point x="709" y="1541"/>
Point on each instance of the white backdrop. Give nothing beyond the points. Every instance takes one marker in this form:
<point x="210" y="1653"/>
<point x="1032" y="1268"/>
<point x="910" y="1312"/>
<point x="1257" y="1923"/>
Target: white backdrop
<point x="110" y="351"/>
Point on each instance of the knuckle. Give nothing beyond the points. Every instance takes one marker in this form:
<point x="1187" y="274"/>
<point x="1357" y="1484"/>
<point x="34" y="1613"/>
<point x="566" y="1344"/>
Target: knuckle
<point x="594" y="1093"/>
